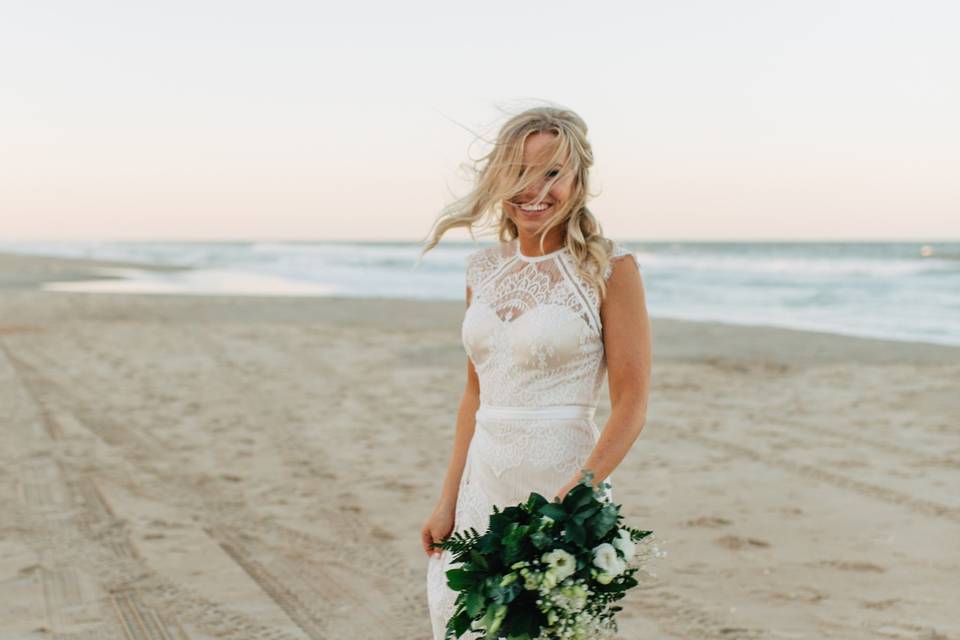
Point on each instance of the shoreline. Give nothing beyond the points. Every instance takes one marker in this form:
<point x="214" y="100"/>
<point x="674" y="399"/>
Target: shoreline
<point x="31" y="272"/>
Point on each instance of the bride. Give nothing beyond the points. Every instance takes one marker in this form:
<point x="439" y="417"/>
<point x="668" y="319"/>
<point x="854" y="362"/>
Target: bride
<point x="551" y="309"/>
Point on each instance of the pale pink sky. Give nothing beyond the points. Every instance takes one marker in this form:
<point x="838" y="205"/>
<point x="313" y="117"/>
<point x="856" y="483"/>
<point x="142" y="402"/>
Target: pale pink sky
<point x="733" y="120"/>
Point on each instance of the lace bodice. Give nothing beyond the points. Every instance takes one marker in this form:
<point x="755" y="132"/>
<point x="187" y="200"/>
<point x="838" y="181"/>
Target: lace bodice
<point x="533" y="327"/>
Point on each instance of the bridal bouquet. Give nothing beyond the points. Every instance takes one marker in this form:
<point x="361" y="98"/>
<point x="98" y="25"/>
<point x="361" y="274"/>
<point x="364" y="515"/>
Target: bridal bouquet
<point x="546" y="570"/>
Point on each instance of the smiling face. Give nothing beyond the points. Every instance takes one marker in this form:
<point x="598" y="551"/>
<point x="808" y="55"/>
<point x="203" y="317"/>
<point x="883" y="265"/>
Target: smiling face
<point x="527" y="211"/>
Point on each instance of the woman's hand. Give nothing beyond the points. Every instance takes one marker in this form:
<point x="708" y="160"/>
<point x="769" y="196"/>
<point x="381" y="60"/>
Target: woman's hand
<point x="566" y="488"/>
<point x="437" y="527"/>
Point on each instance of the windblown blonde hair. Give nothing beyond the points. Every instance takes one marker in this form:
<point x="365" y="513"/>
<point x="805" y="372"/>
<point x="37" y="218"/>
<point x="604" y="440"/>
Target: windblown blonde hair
<point x="500" y="176"/>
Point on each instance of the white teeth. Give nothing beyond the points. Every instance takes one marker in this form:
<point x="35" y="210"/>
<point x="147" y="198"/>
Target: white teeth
<point x="539" y="207"/>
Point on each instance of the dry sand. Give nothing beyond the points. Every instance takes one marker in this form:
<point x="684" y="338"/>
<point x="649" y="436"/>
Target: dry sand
<point x="235" y="467"/>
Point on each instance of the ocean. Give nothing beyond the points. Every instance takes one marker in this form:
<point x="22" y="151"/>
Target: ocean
<point x="896" y="290"/>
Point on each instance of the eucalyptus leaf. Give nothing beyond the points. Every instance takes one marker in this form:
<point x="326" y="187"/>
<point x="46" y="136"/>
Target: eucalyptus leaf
<point x="541" y="540"/>
<point x="574" y="532"/>
<point x="535" y="501"/>
<point x="604" y="520"/>
<point x="555" y="511"/>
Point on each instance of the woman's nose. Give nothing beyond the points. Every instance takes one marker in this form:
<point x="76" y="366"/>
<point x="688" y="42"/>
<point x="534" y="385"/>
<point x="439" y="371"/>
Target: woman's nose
<point x="533" y="190"/>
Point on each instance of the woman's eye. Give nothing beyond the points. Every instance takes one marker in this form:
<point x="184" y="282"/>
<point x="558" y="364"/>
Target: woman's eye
<point x="551" y="173"/>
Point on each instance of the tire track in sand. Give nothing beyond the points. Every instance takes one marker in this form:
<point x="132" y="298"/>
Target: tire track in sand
<point x="223" y="513"/>
<point x="891" y="496"/>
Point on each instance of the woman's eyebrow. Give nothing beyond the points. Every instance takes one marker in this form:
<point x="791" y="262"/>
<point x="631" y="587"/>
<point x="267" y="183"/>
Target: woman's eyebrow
<point x="556" y="166"/>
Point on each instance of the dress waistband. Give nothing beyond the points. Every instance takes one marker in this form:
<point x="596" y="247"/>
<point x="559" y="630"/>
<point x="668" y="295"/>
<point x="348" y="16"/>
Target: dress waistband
<point x="547" y="412"/>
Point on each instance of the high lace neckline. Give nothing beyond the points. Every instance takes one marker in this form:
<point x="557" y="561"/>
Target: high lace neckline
<point x="527" y="258"/>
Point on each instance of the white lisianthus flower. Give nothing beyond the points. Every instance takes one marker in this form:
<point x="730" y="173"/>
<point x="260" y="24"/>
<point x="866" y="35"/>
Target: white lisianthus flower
<point x="561" y="563"/>
<point x="624" y="543"/>
<point x="605" y="557"/>
<point x="610" y="564"/>
<point x="620" y="566"/>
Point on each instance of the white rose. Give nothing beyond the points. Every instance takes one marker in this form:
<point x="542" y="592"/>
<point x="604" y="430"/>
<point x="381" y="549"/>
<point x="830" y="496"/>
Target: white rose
<point x="624" y="543"/>
<point x="561" y="563"/>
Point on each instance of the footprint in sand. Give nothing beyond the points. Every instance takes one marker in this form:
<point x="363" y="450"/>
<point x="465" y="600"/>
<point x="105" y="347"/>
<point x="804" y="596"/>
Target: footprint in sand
<point x="801" y="594"/>
<point x="880" y="605"/>
<point x="736" y="542"/>
<point x="708" y="521"/>
<point x="846" y="565"/>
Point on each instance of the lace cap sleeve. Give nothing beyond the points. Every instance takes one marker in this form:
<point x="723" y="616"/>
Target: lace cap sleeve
<point x="471" y="272"/>
<point x="479" y="265"/>
<point x="619" y="252"/>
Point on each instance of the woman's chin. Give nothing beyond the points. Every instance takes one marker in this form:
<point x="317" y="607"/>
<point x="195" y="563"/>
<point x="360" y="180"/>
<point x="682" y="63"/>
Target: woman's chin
<point x="530" y="222"/>
<point x="531" y="229"/>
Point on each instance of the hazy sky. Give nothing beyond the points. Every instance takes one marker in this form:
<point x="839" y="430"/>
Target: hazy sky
<point x="314" y="120"/>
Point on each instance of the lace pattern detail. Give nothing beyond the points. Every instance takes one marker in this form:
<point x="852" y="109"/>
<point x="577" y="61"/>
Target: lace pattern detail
<point x="619" y="251"/>
<point x="473" y="504"/>
<point x="562" y="446"/>
<point x="533" y="329"/>
<point x="473" y="510"/>
<point x="481" y="265"/>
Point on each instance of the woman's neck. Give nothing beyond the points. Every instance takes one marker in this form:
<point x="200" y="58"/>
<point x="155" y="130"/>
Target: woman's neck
<point x="530" y="245"/>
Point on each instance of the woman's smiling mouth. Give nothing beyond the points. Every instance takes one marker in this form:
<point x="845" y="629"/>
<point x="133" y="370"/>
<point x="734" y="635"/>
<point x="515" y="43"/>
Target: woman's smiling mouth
<point x="534" y="210"/>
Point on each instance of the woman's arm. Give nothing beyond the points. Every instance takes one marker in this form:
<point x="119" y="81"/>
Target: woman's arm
<point x="626" y="339"/>
<point x="466" y="422"/>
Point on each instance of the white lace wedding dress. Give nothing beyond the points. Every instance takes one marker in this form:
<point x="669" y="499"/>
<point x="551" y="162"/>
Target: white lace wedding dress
<point x="533" y="332"/>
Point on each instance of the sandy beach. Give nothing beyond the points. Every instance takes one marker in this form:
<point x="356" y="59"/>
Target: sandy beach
<point x="223" y="467"/>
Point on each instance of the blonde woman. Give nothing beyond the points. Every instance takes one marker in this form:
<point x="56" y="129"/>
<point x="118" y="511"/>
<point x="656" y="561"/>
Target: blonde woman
<point x="551" y="309"/>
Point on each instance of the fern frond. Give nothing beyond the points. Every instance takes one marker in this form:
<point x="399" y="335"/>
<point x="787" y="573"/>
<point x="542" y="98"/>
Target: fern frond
<point x="460" y="541"/>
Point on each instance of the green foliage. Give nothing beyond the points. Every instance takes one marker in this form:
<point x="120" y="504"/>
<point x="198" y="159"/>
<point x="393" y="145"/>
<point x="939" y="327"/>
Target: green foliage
<point x="493" y="594"/>
<point x="459" y="542"/>
<point x="554" y="510"/>
<point x="605" y="520"/>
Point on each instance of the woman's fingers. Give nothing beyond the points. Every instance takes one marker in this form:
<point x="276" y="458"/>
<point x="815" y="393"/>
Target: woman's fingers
<point x="426" y="538"/>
